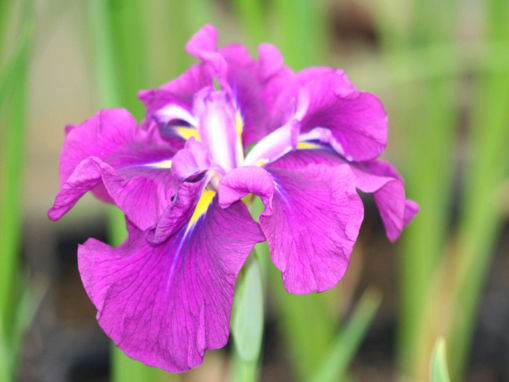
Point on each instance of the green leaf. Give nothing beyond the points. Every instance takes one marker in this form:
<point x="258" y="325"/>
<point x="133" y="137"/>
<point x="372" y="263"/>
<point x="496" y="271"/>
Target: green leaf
<point x="348" y="340"/>
<point x="247" y="315"/>
<point x="439" y="372"/>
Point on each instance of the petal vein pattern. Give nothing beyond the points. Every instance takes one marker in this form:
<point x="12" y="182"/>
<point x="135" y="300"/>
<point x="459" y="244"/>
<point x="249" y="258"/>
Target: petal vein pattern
<point x="111" y="156"/>
<point x="166" y="304"/>
<point x="315" y="220"/>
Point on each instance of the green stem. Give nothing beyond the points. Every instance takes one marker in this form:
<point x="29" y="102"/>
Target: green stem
<point x="301" y="31"/>
<point x="244" y="371"/>
<point x="341" y="352"/>
<point x="4" y="21"/>
<point x="482" y="204"/>
<point x="428" y="166"/>
<point x="250" y="15"/>
<point x="247" y="319"/>
<point x="14" y="81"/>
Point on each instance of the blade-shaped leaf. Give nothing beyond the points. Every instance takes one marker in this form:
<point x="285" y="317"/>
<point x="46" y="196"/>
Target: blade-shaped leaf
<point x="247" y="315"/>
<point x="439" y="371"/>
<point x="348" y="340"/>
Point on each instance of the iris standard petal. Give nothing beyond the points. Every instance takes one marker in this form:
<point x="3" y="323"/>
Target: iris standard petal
<point x="357" y="120"/>
<point x="315" y="220"/>
<point x="129" y="164"/>
<point x="257" y="86"/>
<point x="203" y="45"/>
<point x="217" y="126"/>
<point x="164" y="305"/>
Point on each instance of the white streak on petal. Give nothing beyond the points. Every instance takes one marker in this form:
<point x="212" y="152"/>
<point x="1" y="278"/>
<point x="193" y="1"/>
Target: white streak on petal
<point x="323" y="135"/>
<point x="274" y="145"/>
<point x="172" y="111"/>
<point x="218" y="126"/>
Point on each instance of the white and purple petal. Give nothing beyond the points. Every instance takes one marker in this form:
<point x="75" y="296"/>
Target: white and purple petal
<point x="274" y="145"/>
<point x="256" y="85"/>
<point x="217" y="127"/>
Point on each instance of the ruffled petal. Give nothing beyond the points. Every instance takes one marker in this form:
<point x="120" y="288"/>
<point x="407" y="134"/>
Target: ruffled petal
<point x="258" y="87"/>
<point x="357" y="120"/>
<point x="101" y="136"/>
<point x="411" y="209"/>
<point x="164" y="305"/>
<point x="375" y="177"/>
<point x="130" y="166"/>
<point x="203" y="45"/>
<point x="245" y="180"/>
<point x="191" y="160"/>
<point x="179" y="92"/>
<point x="180" y="212"/>
<point x="142" y="194"/>
<point x="316" y="217"/>
<point x="381" y="179"/>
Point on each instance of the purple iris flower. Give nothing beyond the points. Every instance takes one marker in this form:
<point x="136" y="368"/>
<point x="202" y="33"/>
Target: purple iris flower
<point x="305" y="143"/>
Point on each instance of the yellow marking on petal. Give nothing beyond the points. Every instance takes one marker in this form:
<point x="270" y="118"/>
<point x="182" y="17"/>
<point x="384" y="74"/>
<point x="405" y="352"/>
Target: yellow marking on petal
<point x="187" y="132"/>
<point x="162" y="164"/>
<point x="262" y="162"/>
<point x="201" y="207"/>
<point x="239" y="123"/>
<point x="307" y="145"/>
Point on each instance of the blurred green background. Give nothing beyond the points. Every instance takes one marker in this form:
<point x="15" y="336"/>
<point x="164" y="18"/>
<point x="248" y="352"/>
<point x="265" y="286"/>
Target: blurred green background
<point x="442" y="70"/>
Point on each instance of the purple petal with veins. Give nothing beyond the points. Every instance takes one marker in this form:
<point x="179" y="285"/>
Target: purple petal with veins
<point x="357" y="120"/>
<point x="315" y="219"/>
<point x="374" y="177"/>
<point x="164" y="305"/>
<point x="191" y="160"/>
<point x="130" y="165"/>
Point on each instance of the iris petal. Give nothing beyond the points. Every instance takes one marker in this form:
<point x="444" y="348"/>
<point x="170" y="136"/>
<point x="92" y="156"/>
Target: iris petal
<point x="357" y="120"/>
<point x="110" y="151"/>
<point x="316" y="217"/>
<point x="165" y="304"/>
<point x="217" y="125"/>
<point x="376" y="177"/>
